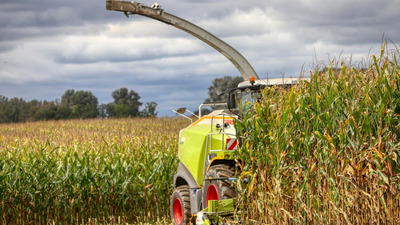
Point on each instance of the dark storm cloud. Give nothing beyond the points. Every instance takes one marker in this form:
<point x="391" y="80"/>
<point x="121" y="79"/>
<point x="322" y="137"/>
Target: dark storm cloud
<point x="37" y="13"/>
<point x="342" y="22"/>
<point x="49" y="46"/>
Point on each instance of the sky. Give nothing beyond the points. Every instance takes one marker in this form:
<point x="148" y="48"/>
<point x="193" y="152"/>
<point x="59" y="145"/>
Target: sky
<point x="50" y="46"/>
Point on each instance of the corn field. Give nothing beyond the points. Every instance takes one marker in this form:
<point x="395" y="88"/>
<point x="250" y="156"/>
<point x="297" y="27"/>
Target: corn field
<point x="87" y="171"/>
<point x="322" y="152"/>
<point x="325" y="151"/>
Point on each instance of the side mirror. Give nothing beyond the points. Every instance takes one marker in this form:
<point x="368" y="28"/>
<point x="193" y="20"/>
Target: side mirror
<point x="219" y="92"/>
<point x="181" y="110"/>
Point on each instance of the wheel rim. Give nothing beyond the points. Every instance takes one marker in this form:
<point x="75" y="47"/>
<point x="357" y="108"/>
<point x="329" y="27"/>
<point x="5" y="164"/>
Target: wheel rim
<point x="178" y="212"/>
<point x="212" y="193"/>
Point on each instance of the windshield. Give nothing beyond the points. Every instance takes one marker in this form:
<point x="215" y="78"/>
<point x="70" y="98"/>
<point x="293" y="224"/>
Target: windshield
<point x="242" y="98"/>
<point x="247" y="98"/>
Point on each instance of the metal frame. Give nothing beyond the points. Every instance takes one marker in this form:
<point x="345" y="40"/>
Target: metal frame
<point x="210" y="104"/>
<point x="222" y="132"/>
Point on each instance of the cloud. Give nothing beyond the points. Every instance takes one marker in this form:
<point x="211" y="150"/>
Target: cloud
<point x="47" y="46"/>
<point x="342" y="22"/>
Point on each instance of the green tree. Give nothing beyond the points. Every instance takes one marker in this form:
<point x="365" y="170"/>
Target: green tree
<point x="46" y="111"/>
<point x="109" y="109"/>
<point x="13" y="110"/>
<point x="126" y="103"/>
<point x="84" y="105"/>
<point x="62" y="112"/>
<point x="103" y="110"/>
<point x="66" y="99"/>
<point x="219" y="85"/>
<point x="150" y="109"/>
<point x="122" y="111"/>
<point x="77" y="104"/>
<point x="4" y="109"/>
<point x="33" y="109"/>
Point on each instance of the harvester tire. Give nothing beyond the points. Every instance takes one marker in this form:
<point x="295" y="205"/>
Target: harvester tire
<point x="218" y="189"/>
<point x="180" y="205"/>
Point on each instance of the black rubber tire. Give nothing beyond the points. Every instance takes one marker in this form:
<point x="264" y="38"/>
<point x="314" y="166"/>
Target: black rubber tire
<point x="180" y="196"/>
<point x="224" y="188"/>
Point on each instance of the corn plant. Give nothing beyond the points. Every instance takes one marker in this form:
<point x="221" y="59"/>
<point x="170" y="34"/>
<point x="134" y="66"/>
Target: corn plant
<point x="87" y="171"/>
<point x="325" y="151"/>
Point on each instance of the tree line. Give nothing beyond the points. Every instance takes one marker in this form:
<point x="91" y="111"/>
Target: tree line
<point x="75" y="105"/>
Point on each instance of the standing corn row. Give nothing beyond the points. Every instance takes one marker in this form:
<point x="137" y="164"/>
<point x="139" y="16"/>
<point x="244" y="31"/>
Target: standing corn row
<point x="326" y="151"/>
<point x="108" y="171"/>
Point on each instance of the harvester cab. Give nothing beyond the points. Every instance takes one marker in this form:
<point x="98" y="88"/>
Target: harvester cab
<point x="206" y="150"/>
<point x="250" y="92"/>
